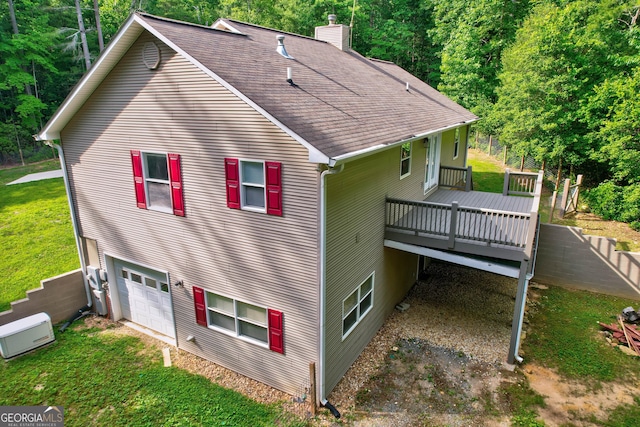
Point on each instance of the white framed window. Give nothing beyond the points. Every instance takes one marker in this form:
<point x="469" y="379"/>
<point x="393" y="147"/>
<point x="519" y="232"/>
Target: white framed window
<point x="357" y="305"/>
<point x="237" y="318"/>
<point x="156" y="181"/>
<point x="456" y="143"/>
<point x="405" y="159"/>
<point x="252" y="188"/>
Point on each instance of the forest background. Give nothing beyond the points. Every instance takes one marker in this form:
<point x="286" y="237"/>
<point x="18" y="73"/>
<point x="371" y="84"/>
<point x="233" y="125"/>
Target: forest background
<point x="554" y="81"/>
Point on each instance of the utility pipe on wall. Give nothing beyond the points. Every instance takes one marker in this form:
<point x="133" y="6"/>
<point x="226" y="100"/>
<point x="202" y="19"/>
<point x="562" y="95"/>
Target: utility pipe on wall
<point x="74" y="221"/>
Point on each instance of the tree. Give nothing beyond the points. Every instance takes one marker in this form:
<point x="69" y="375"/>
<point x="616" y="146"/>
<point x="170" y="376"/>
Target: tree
<point x="560" y="54"/>
<point x="474" y="35"/>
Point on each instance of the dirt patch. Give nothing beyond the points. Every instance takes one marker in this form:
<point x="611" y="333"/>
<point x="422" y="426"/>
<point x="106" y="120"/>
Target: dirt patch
<point x="431" y="385"/>
<point x="570" y="402"/>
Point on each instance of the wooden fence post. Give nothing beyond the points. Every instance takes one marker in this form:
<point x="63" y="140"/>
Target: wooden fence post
<point x="565" y="197"/>
<point x="553" y="205"/>
<point x="312" y="388"/>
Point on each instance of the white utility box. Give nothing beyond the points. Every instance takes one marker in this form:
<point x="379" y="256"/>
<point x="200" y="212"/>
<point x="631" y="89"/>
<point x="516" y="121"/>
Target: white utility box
<point x="25" y="334"/>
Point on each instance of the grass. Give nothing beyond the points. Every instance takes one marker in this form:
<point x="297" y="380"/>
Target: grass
<point x="105" y="379"/>
<point x="34" y="223"/>
<point x="488" y="174"/>
<point x="570" y="317"/>
<point x="564" y="335"/>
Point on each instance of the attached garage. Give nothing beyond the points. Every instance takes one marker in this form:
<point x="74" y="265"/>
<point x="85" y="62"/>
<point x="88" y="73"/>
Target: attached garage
<point x="144" y="297"/>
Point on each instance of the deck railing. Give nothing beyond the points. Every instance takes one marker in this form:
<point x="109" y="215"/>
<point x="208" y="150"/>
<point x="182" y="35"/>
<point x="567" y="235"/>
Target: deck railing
<point x="519" y="183"/>
<point x="454" y="177"/>
<point x="459" y="222"/>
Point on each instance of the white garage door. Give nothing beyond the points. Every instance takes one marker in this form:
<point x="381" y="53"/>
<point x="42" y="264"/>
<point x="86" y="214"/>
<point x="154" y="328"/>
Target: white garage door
<point x="144" y="297"/>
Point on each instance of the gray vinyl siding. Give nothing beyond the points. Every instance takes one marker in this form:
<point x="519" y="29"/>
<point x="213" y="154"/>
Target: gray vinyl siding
<point x="262" y="259"/>
<point x="355" y="235"/>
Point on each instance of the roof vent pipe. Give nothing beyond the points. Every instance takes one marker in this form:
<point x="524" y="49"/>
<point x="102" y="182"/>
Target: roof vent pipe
<point x="281" y="49"/>
<point x="332" y="19"/>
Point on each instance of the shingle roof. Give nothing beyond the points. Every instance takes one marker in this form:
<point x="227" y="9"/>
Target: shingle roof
<point x="342" y="104"/>
<point x="342" y="101"/>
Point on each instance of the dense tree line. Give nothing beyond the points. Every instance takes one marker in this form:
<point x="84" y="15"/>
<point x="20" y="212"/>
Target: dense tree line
<point x="557" y="80"/>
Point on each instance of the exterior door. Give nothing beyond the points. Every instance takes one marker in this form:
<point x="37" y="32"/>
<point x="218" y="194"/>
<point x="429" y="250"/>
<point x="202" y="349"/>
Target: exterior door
<point x="432" y="173"/>
<point x="144" y="297"/>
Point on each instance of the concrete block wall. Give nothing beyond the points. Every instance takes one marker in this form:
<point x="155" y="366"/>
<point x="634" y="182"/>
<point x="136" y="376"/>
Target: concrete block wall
<point x="59" y="297"/>
<point x="567" y="257"/>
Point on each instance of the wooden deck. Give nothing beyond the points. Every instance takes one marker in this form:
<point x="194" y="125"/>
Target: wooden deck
<point x="472" y="222"/>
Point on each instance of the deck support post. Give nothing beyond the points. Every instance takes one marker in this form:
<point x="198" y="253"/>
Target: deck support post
<point x="453" y="224"/>
<point x="518" y="313"/>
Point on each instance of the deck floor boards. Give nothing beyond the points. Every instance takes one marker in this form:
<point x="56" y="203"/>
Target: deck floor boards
<point x="484" y="200"/>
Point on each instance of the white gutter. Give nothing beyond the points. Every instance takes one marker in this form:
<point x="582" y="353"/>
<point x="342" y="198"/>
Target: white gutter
<point x="323" y="277"/>
<point x="74" y="220"/>
<point x="381" y="147"/>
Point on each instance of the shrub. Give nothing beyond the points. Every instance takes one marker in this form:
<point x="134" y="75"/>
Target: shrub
<point x="616" y="202"/>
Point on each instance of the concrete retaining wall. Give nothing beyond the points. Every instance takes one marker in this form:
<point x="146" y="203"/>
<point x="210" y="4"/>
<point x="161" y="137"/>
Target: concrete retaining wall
<point x="566" y="257"/>
<point x="59" y="297"/>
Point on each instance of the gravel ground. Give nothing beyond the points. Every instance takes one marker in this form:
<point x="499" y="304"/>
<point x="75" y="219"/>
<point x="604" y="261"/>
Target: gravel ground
<point x="458" y="317"/>
<point x="453" y="308"/>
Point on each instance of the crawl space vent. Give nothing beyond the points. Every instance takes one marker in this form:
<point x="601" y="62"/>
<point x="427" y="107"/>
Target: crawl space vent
<point x="151" y="55"/>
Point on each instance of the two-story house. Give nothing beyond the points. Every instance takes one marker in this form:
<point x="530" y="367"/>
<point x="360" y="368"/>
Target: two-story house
<point x="248" y="192"/>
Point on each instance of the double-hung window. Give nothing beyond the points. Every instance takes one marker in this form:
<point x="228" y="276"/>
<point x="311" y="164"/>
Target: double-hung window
<point x="254" y="185"/>
<point x="357" y="305"/>
<point x="158" y="181"/>
<point x="252" y="190"/>
<point x="405" y="159"/>
<point x="259" y="325"/>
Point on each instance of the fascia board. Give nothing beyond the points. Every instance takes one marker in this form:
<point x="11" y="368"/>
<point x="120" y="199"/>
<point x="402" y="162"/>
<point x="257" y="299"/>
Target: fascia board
<point x="115" y="50"/>
<point x="354" y="155"/>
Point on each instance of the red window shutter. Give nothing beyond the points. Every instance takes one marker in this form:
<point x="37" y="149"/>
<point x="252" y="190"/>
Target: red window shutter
<point x="232" y="176"/>
<point x="138" y="179"/>
<point x="276" y="341"/>
<point x="274" y="188"/>
<point x="175" y="176"/>
<point x="201" y="308"/>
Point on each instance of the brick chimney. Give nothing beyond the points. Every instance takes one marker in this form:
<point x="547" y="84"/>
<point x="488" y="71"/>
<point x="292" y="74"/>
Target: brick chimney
<point x="336" y="34"/>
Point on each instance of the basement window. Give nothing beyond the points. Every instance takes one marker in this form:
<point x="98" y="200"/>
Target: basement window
<point x="357" y="305"/>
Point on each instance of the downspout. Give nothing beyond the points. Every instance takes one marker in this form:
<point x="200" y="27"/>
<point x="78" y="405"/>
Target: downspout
<point x="74" y="222"/>
<point x="323" y="281"/>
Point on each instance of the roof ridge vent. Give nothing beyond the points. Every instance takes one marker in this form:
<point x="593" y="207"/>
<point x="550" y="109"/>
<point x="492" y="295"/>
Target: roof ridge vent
<point x="281" y="49"/>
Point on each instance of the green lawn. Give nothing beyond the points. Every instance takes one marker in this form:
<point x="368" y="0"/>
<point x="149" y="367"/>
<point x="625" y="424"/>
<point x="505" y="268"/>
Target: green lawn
<point x="35" y="232"/>
<point x="103" y="379"/>
<point x="487" y="174"/>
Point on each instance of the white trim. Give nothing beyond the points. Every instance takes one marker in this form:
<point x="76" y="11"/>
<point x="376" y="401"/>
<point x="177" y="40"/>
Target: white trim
<point x="359" y="316"/>
<point x="491" y="267"/>
<point x="237" y="320"/>
<point x="347" y="157"/>
<point x="406" y="159"/>
<point x="91" y="79"/>
<point x="242" y="186"/>
<point x="146" y="180"/>
<point x="428" y="184"/>
<point x="112" y="277"/>
<point x="456" y="143"/>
